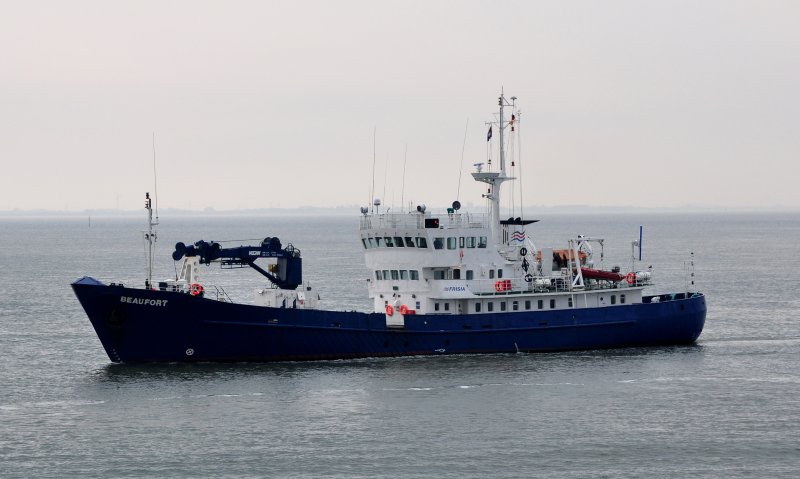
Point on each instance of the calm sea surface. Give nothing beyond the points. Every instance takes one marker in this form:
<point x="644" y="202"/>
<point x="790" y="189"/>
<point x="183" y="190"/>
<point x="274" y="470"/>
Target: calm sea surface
<point x="728" y="406"/>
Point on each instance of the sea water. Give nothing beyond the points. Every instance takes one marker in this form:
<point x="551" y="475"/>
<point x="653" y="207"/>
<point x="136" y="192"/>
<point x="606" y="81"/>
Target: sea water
<point x="728" y="406"/>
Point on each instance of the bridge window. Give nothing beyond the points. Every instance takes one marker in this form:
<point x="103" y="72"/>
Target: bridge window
<point x="482" y="242"/>
<point x="460" y="241"/>
<point x="438" y="274"/>
<point x="477" y="307"/>
<point x="422" y="243"/>
<point x="438" y="243"/>
<point x="552" y="304"/>
<point x="395" y="275"/>
<point x="364" y="241"/>
<point x="371" y="242"/>
<point x="378" y="275"/>
<point x="451" y="242"/>
<point x="403" y="274"/>
<point x="386" y="274"/>
<point x="414" y="275"/>
<point x="379" y="242"/>
<point x="490" y="306"/>
<point x="398" y="241"/>
<point x="470" y="241"/>
<point x="409" y="242"/>
<point x="470" y="274"/>
<point x="389" y="242"/>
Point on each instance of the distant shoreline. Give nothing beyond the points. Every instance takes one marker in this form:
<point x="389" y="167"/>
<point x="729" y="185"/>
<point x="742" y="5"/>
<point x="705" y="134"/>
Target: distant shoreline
<point x="354" y="211"/>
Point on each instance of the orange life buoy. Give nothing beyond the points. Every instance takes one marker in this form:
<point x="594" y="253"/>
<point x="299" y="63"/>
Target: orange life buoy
<point x="403" y="309"/>
<point x="389" y="310"/>
<point x="196" y="289"/>
<point x="630" y="278"/>
<point x="498" y="286"/>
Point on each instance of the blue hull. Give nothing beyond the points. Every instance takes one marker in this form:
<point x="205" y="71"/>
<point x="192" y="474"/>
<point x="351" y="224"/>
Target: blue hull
<point x="136" y="325"/>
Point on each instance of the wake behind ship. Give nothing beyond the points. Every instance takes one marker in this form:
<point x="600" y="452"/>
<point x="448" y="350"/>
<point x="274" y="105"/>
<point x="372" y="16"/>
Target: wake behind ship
<point x="450" y="283"/>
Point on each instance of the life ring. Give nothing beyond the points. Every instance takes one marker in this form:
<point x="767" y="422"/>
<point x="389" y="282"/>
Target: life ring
<point x="403" y="309"/>
<point x="630" y="278"/>
<point x="499" y="286"/>
<point x="389" y="310"/>
<point x="196" y="289"/>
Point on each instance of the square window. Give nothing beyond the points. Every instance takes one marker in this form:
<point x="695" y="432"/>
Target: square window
<point x="447" y="306"/>
<point x="502" y="305"/>
<point x="477" y="307"/>
<point x="438" y="243"/>
<point x="451" y="242"/>
<point x="491" y="274"/>
<point x="552" y="304"/>
<point x="470" y="274"/>
<point x="500" y="273"/>
<point x="482" y="242"/>
<point x="527" y="304"/>
<point x="541" y="304"/>
<point x="515" y="305"/>
<point x="436" y="306"/>
<point x="414" y="275"/>
<point x="470" y="242"/>
<point x="613" y="299"/>
<point x="622" y="299"/>
<point x="490" y="306"/>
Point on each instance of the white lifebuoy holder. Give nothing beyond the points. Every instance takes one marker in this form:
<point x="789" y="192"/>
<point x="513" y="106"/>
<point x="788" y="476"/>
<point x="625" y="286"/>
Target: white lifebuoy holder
<point x="630" y="278"/>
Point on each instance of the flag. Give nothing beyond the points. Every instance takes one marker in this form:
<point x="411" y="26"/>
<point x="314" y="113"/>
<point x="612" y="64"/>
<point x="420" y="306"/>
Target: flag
<point x="489" y="135"/>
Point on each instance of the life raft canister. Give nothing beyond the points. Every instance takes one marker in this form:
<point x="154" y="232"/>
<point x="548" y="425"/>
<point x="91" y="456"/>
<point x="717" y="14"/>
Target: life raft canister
<point x="630" y="278"/>
<point x="389" y="310"/>
<point x="196" y="289"/>
<point x="403" y="309"/>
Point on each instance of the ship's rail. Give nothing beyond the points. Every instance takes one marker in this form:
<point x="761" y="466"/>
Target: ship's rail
<point x="417" y="221"/>
<point x="511" y="286"/>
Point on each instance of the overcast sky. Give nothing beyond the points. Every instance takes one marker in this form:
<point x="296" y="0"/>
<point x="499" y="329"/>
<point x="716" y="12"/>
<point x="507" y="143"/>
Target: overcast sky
<point x="259" y="104"/>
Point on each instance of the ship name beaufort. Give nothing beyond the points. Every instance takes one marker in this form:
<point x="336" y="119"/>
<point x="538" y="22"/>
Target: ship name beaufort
<point x="143" y="301"/>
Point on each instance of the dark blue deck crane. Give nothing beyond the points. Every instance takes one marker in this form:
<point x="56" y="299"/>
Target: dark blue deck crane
<point x="287" y="273"/>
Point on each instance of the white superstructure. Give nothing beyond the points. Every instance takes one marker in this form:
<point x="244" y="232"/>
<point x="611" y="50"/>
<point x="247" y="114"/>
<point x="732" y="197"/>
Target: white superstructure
<point x="461" y="263"/>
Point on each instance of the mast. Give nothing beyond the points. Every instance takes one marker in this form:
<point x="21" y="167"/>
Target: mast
<point x="150" y="238"/>
<point x="495" y="179"/>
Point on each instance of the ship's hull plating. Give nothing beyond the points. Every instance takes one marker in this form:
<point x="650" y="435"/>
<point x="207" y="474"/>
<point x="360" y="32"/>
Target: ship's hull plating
<point x="136" y="325"/>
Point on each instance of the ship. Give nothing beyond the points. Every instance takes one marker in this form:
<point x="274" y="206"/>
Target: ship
<point x="440" y="284"/>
